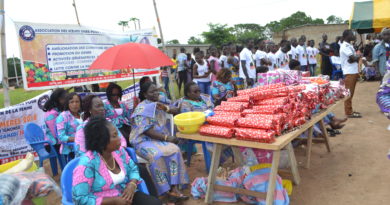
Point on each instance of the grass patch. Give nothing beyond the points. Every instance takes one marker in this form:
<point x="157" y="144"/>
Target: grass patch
<point x="19" y="95"/>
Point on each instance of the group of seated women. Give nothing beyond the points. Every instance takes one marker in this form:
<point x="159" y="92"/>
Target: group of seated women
<point x="101" y="130"/>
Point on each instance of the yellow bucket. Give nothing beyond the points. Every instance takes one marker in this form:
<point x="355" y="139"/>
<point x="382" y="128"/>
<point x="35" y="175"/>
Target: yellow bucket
<point x="189" y="122"/>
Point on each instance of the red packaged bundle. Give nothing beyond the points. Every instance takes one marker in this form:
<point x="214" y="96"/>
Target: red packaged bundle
<point x="279" y="118"/>
<point x="230" y="108"/>
<point x="299" y="121"/>
<point x="243" y="98"/>
<point x="243" y="104"/>
<point x="273" y="101"/>
<point x="256" y="135"/>
<point x="260" y="123"/>
<point x="225" y="113"/>
<point x="216" y="131"/>
<point x="225" y="121"/>
<point x="280" y="92"/>
<point x="269" y="109"/>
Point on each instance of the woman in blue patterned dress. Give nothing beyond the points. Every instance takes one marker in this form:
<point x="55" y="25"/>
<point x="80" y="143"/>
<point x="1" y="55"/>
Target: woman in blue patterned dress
<point x="106" y="174"/>
<point x="153" y="142"/>
<point x="68" y="121"/>
<point x="223" y="88"/>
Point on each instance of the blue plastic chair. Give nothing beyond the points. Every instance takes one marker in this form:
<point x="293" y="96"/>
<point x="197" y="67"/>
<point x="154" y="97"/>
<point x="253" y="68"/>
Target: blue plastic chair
<point x="337" y="72"/>
<point x="67" y="180"/>
<point x="35" y="137"/>
<point x="142" y="186"/>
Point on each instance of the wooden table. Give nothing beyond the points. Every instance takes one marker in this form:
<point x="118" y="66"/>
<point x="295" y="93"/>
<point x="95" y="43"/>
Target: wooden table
<point x="281" y="142"/>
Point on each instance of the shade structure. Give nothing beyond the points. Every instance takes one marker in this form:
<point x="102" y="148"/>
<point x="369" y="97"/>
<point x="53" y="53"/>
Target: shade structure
<point x="370" y="16"/>
<point x="131" y="55"/>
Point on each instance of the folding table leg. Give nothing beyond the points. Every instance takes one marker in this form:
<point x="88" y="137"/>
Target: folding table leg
<point x="309" y="145"/>
<point x="293" y="163"/>
<point x="325" y="134"/>
<point x="272" y="178"/>
<point x="237" y="156"/>
<point x="213" y="172"/>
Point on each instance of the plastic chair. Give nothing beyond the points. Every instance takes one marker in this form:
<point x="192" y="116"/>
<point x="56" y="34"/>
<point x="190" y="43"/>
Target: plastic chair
<point x="142" y="186"/>
<point x="337" y="72"/>
<point x="35" y="137"/>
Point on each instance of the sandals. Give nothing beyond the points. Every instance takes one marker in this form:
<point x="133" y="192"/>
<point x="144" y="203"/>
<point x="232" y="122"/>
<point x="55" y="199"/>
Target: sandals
<point x="333" y="132"/>
<point x="355" y="115"/>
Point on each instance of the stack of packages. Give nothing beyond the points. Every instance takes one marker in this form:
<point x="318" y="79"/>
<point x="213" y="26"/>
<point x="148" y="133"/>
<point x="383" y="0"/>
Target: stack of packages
<point x="261" y="113"/>
<point x="289" y="77"/>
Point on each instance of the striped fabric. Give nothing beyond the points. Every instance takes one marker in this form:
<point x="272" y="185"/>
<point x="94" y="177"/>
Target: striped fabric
<point x="370" y="16"/>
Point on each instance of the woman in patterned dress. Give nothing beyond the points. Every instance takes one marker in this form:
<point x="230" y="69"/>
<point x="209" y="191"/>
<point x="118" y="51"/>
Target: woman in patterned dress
<point x="223" y="88"/>
<point x="151" y="139"/>
<point x="106" y="174"/>
<point x="52" y="108"/>
<point x="68" y="121"/>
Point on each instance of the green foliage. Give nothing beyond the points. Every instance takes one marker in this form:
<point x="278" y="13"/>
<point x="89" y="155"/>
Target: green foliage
<point x="332" y="19"/>
<point x="11" y="69"/>
<point x="194" y="40"/>
<point x="174" y="41"/>
<point x="219" y="34"/>
<point x="298" y="18"/>
<point x="249" y="31"/>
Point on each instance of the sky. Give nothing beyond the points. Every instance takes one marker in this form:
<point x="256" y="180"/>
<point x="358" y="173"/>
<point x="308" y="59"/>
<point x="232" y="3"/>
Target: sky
<point x="180" y="19"/>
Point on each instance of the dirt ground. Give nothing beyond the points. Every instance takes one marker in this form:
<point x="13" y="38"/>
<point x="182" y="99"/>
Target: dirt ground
<point x="355" y="172"/>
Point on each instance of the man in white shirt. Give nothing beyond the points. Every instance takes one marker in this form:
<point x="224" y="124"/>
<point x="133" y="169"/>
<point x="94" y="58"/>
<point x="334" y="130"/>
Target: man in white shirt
<point x="293" y="52"/>
<point x="261" y="55"/>
<point x="302" y="53"/>
<point x="247" y="66"/>
<point x="282" y="59"/>
<point x="272" y="48"/>
<point x="312" y="52"/>
<point x="349" y="65"/>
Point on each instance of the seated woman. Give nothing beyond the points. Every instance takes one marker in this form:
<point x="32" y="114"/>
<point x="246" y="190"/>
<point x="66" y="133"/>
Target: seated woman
<point x="153" y="142"/>
<point x="106" y="174"/>
<point x="117" y="111"/>
<point x="93" y="106"/>
<point x="223" y="88"/>
<point x="383" y="95"/>
<point x="52" y="108"/>
<point x="68" y="121"/>
<point x="193" y="100"/>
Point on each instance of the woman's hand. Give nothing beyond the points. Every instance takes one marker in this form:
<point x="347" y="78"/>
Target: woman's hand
<point x="129" y="191"/>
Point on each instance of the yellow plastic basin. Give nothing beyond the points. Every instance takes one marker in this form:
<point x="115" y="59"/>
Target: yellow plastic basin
<point x="189" y="122"/>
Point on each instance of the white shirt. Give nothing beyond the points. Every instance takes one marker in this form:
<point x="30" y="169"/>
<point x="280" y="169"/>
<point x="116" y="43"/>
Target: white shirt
<point x="246" y="55"/>
<point x="336" y="61"/>
<point x="302" y="55"/>
<point x="223" y="59"/>
<point x="181" y="60"/>
<point x="347" y="50"/>
<point x="282" y="60"/>
<point x="312" y="52"/>
<point x="293" y="53"/>
<point x="271" y="57"/>
<point x="117" y="178"/>
<point x="258" y="56"/>
<point x="202" y="69"/>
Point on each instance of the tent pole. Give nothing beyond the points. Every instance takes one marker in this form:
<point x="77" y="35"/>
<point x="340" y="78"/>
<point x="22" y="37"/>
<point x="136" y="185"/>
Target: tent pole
<point x="4" y="56"/>
<point x="165" y="51"/>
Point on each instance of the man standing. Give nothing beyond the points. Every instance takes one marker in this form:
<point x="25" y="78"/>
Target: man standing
<point x="349" y="64"/>
<point x="282" y="58"/>
<point x="247" y="67"/>
<point x="293" y="52"/>
<point x="381" y="52"/>
<point x="326" y="66"/>
<point x="261" y="55"/>
<point x="302" y="53"/>
<point x="182" y="68"/>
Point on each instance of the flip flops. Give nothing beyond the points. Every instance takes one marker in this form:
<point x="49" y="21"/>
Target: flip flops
<point x="355" y="115"/>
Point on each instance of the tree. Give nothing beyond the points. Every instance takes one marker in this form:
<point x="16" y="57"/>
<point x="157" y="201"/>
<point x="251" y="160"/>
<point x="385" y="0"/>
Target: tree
<point x="11" y="69"/>
<point x="219" y="34"/>
<point x="298" y="18"/>
<point x="332" y="19"/>
<point x="134" y="20"/>
<point x="174" y="41"/>
<point x="194" y="40"/>
<point x="249" y="31"/>
<point x="123" y="24"/>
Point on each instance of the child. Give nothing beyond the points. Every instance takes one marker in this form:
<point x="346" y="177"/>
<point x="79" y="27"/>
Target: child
<point x="312" y="52"/>
<point x="165" y="79"/>
<point x="282" y="58"/>
<point x="294" y="65"/>
<point x="201" y="73"/>
<point x="271" y="56"/>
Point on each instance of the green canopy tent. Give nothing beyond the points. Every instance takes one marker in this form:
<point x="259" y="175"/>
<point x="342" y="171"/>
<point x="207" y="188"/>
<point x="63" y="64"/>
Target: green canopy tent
<point x="370" y="16"/>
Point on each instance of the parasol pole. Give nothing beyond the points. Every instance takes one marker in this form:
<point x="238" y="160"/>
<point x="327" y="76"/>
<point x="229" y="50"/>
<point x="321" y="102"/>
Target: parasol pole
<point x="4" y="56"/>
<point x="165" y="51"/>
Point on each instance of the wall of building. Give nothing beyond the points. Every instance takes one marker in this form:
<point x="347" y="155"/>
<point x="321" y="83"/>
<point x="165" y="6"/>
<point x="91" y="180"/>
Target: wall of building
<point x="313" y="32"/>
<point x="175" y="48"/>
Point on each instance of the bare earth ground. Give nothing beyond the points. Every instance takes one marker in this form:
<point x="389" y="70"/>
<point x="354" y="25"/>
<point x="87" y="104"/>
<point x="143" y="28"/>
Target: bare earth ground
<point x="355" y="172"/>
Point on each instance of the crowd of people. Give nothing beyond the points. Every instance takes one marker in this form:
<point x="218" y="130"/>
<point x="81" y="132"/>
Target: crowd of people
<point x="101" y="130"/>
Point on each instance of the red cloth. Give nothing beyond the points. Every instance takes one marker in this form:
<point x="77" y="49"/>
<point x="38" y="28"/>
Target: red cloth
<point x="273" y="101"/>
<point x="216" y="131"/>
<point x="255" y="135"/>
<point x="244" y="98"/>
<point x="225" y="121"/>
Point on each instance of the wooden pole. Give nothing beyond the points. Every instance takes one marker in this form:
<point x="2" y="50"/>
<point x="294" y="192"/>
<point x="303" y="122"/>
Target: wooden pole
<point x="165" y="51"/>
<point x="4" y="56"/>
<point x="75" y="9"/>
